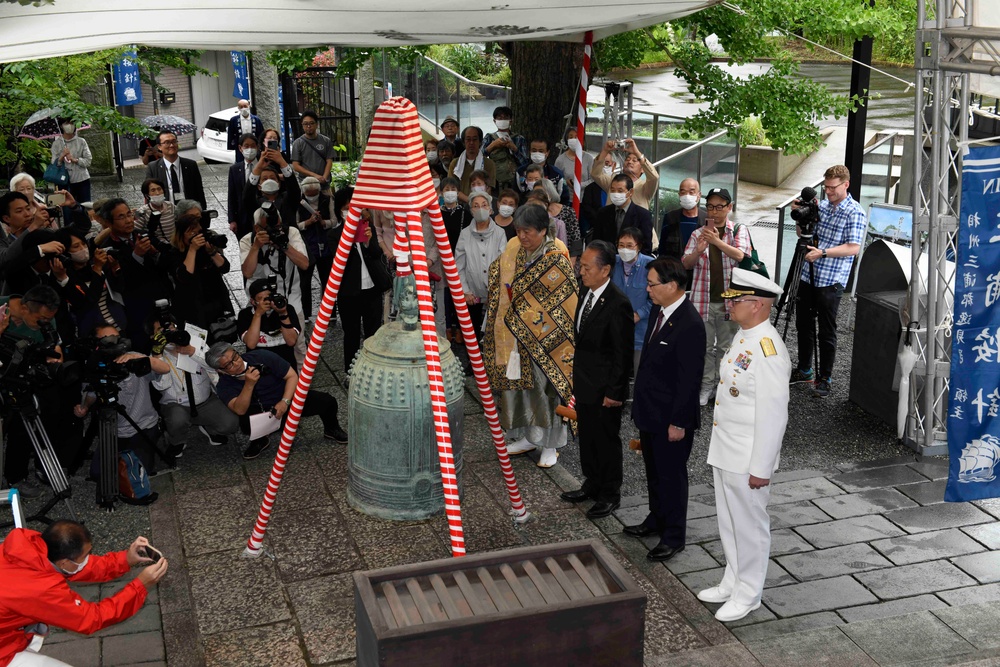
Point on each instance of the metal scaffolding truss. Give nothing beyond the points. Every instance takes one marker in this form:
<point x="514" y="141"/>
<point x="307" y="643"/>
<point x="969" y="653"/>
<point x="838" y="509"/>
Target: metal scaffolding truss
<point x="949" y="48"/>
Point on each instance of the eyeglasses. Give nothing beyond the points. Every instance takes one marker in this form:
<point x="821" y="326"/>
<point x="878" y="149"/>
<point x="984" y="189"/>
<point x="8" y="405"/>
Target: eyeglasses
<point x="121" y="217"/>
<point x="229" y="364"/>
<point x="830" y="188"/>
<point x="172" y="142"/>
<point x="308" y="123"/>
<point x="716" y="207"/>
<point x="651" y="285"/>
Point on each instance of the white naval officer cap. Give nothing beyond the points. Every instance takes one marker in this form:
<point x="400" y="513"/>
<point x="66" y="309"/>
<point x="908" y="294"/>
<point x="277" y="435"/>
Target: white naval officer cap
<point x="745" y="282"/>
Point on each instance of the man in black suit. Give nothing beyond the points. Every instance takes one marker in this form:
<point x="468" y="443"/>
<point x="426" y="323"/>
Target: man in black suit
<point x="180" y="174"/>
<point x="665" y="407"/>
<point x="621" y="213"/>
<point x="240" y="218"/>
<point x="605" y="328"/>
<point x="241" y="124"/>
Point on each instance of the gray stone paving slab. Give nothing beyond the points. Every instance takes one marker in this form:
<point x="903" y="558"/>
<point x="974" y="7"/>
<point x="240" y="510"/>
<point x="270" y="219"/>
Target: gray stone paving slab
<point x="813" y="596"/>
<point x="876" y="478"/>
<point x="692" y="559"/>
<point x="936" y="517"/>
<point x="989" y="505"/>
<point x="732" y="655"/>
<point x="783" y="476"/>
<point x="873" y="501"/>
<point x="848" y="531"/>
<point x="759" y="615"/>
<point x="803" y="489"/>
<point x="925" y="493"/>
<point x="851" y="466"/>
<point x="909" y="580"/>
<point x="268" y="645"/>
<point x="824" y="563"/>
<point x="701" y="490"/>
<point x="793" y="514"/>
<point x="702" y="530"/>
<point x="215" y="521"/>
<point x="701" y="506"/>
<point x="146" y="619"/>
<point x="978" y="624"/>
<point x="985" y="567"/>
<point x="630" y="516"/>
<point x="971" y="595"/>
<point x="78" y="652"/>
<point x="230" y="592"/>
<point x="182" y="640"/>
<point x="904" y="639"/>
<point x="784" y="541"/>
<point x="931" y="469"/>
<point x="908" y="549"/>
<point x="784" y="626"/>
<point x="987" y="534"/>
<point x="698" y="581"/>
<point x="303" y="552"/>
<point x="124" y="649"/>
<point x="827" y="647"/>
<point x="321" y="604"/>
<point x="898" y="607"/>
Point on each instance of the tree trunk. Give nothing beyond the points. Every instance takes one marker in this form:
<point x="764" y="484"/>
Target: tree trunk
<point x="545" y="79"/>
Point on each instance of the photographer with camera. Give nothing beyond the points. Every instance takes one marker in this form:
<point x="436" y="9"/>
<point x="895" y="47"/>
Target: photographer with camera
<point x="187" y="398"/>
<point x="635" y="165"/>
<point x="269" y="322"/>
<point x="84" y="286"/>
<point x="133" y="373"/>
<point x="198" y="268"/>
<point x="18" y="250"/>
<point x="836" y="227"/>
<point x="36" y="568"/>
<point x="259" y="381"/>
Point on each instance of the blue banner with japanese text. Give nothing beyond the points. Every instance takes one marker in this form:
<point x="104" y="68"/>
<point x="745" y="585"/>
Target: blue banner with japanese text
<point x="241" y="84"/>
<point x="974" y="398"/>
<point x="128" y="90"/>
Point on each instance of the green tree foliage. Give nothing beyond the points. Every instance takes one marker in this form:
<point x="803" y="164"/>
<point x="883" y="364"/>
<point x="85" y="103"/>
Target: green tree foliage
<point x="74" y="84"/>
<point x="786" y="105"/>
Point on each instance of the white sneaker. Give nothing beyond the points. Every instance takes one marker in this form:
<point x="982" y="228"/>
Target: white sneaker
<point x="715" y="595"/>
<point x="520" y="447"/>
<point x="705" y="395"/>
<point x="732" y="611"/>
<point x="548" y="458"/>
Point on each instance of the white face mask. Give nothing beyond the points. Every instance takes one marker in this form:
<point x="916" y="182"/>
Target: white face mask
<point x="80" y="256"/>
<point x="617" y="198"/>
<point x="68" y="129"/>
<point x="573" y="144"/>
<point x="270" y="186"/>
<point x="479" y="188"/>
<point x="312" y="199"/>
<point x="608" y="170"/>
<point x="436" y="182"/>
<point x="157" y="200"/>
<point x="450" y="196"/>
<point x="538" y="158"/>
<point x="79" y="566"/>
<point x="506" y="210"/>
<point x="530" y="184"/>
<point x="245" y="112"/>
<point x="688" y="202"/>
<point x="502" y="124"/>
<point x="249" y="154"/>
<point x="481" y="214"/>
<point x="432" y="156"/>
<point x="627" y="254"/>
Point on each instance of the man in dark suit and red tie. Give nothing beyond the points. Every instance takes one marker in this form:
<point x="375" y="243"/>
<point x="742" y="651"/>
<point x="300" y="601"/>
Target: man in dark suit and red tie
<point x="665" y="405"/>
<point x="605" y="328"/>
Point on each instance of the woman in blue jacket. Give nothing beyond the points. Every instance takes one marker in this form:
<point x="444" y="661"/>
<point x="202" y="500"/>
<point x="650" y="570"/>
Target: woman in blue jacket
<point x="630" y="275"/>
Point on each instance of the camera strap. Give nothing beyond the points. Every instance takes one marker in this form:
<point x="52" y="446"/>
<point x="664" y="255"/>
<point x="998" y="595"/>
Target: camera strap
<point x="189" y="385"/>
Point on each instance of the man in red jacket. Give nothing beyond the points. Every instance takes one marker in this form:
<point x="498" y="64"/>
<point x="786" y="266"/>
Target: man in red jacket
<point x="34" y="570"/>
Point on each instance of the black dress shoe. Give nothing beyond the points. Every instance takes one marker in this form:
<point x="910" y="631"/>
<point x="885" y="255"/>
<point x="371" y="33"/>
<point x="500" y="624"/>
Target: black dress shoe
<point x="601" y="509"/>
<point x="639" y="530"/>
<point x="577" y="496"/>
<point x="663" y="552"/>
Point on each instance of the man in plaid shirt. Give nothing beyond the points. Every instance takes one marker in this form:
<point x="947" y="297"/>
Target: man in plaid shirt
<point x="713" y="251"/>
<point x="838" y="238"/>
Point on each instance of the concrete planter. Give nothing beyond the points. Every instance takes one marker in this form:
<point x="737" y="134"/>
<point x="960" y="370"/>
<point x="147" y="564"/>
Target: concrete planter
<point x="767" y="166"/>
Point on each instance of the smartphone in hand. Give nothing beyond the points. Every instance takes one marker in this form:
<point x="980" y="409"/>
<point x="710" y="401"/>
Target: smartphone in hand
<point x="149" y="551"/>
<point x="55" y="199"/>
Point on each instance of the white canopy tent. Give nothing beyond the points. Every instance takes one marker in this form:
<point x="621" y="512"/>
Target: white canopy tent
<point x="80" y="26"/>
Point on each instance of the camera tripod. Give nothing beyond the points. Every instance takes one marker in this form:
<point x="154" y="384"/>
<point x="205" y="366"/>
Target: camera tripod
<point x="26" y="406"/>
<point x="790" y="293"/>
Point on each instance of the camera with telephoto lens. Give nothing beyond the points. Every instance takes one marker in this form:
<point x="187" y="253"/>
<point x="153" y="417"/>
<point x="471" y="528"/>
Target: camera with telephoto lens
<point x="276" y="234"/>
<point x="806" y="214"/>
<point x="26" y="364"/>
<point x="165" y="317"/>
<point x="278" y="300"/>
<point x="215" y="239"/>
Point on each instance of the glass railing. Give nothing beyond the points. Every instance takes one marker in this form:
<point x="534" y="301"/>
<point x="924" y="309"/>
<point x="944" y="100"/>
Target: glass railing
<point x="879" y="177"/>
<point x="439" y="92"/>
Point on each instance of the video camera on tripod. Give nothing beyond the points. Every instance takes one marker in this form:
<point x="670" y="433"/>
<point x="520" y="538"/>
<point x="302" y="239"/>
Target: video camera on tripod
<point x="806" y="214"/>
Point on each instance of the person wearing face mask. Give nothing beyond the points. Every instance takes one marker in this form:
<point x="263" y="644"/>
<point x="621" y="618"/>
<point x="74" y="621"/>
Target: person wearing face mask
<point x="679" y="223"/>
<point x="508" y="151"/>
<point x="634" y="165"/>
<point x="72" y="150"/>
<point x="239" y="174"/>
<point x="240" y="125"/>
<point x="621" y="212"/>
<point x="456" y="217"/>
<point x="438" y="169"/>
<point x="314" y="224"/>
<point x="470" y="161"/>
<point x="506" y="205"/>
<point x="197" y="268"/>
<point x="261" y="325"/>
<point x="630" y="276"/>
<point x="156" y="217"/>
<point x="89" y="290"/>
<point x="538" y="157"/>
<point x="36" y="569"/>
<point x="478" y="245"/>
<point x="566" y="162"/>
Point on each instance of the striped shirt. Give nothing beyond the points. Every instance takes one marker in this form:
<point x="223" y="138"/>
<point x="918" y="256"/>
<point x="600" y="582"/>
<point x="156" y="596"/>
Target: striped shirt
<point x="701" y="285"/>
<point x="844" y="223"/>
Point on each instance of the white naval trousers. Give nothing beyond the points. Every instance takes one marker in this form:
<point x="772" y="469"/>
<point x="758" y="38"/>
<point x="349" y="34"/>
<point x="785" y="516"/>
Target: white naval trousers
<point x="745" y="531"/>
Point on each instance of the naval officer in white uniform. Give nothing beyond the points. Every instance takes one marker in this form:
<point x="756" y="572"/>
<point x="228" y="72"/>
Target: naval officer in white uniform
<point x="751" y="412"/>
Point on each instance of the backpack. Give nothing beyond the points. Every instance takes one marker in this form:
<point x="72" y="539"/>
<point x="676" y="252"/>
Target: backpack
<point x="133" y="482"/>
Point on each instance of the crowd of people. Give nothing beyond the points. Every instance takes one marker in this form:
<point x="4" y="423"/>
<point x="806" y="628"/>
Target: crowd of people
<point x="602" y="311"/>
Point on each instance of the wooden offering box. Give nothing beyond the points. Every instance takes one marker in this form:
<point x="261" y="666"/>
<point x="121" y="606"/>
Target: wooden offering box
<point x="560" y="604"/>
